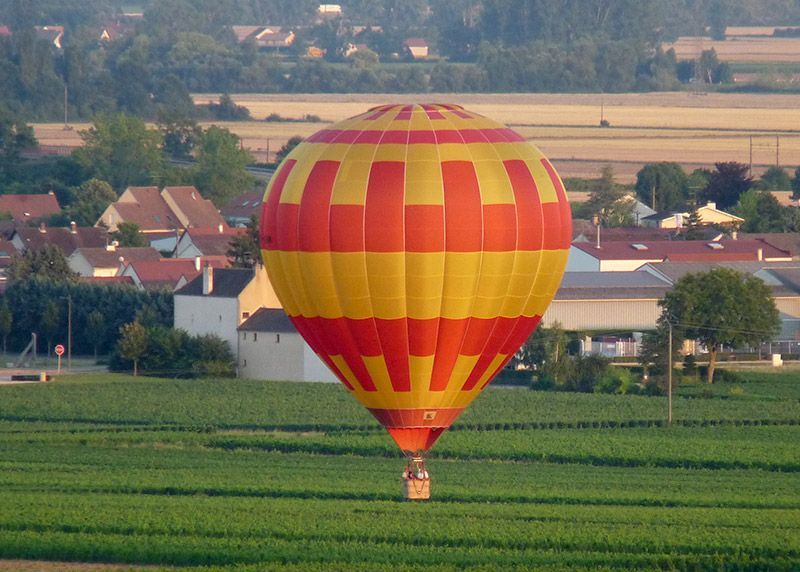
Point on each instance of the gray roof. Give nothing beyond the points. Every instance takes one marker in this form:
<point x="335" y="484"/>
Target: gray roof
<point x="783" y="278"/>
<point x="611" y="286"/>
<point x="268" y="320"/>
<point x="228" y="283"/>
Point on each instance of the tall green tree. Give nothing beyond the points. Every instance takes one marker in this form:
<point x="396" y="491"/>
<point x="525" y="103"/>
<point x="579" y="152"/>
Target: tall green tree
<point x="721" y="307"/>
<point x="15" y="137"/>
<point x="244" y="250"/>
<point x="662" y="186"/>
<point x="89" y="201"/>
<point x="726" y="184"/>
<point x="796" y="184"/>
<point x="121" y="149"/>
<point x="775" y="179"/>
<point x="6" y="323"/>
<point x="610" y="202"/>
<point x="129" y="235"/>
<point x="132" y="343"/>
<point x="95" y="330"/>
<point x="761" y="212"/>
<point x="47" y="262"/>
<point x="287" y="148"/>
<point x="221" y="171"/>
<point x="49" y="323"/>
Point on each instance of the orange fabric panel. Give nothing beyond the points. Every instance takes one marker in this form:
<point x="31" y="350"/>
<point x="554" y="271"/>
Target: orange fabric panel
<point x="314" y="219"/>
<point x="424" y="228"/>
<point x="347" y="228"/>
<point x="384" y="210"/>
<point x="499" y="228"/>
<point x="462" y="206"/>
<point x="448" y="344"/>
<point x="269" y="210"/>
<point x="529" y="207"/>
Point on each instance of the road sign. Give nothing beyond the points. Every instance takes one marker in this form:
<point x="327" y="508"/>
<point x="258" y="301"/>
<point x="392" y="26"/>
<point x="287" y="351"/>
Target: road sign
<point x="59" y="350"/>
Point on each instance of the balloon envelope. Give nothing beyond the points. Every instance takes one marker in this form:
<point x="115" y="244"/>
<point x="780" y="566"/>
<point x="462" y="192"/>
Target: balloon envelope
<point x="415" y="248"/>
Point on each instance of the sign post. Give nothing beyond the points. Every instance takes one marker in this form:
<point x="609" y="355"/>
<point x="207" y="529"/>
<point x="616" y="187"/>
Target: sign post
<point x="59" y="352"/>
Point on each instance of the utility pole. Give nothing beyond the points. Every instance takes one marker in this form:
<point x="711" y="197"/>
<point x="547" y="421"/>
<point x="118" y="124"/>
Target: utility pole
<point x="669" y="375"/>
<point x="777" y="150"/>
<point x="750" y="173"/>
<point x="69" y="332"/>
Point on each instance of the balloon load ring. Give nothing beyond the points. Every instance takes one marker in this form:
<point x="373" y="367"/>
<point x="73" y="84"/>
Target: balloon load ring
<point x="415" y="248"/>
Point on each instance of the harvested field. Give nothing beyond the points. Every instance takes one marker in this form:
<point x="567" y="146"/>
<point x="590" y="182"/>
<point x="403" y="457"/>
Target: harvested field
<point x="694" y="130"/>
<point x="741" y="49"/>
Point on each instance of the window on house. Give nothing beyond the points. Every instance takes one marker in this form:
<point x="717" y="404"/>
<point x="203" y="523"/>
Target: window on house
<point x="244" y="363"/>
<point x="244" y="335"/>
<point x="245" y="315"/>
<point x="255" y="336"/>
<point x="277" y="338"/>
<point x="220" y="317"/>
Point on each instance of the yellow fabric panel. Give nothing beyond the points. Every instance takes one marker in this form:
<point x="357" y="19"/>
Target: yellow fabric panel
<point x="455" y="152"/>
<point x="420" y="369"/>
<point x="376" y="366"/>
<point x="352" y="286"/>
<point x="346" y="371"/>
<point x="460" y="283"/>
<point x="350" y="187"/>
<point x="419" y="121"/>
<point x="291" y="263"/>
<point x="424" y="185"/>
<point x="547" y="192"/>
<point x="493" y="284"/>
<point x="389" y="152"/>
<point x="334" y="152"/>
<point x="424" y="280"/>
<point x="361" y="152"/>
<point x="387" y="285"/>
<point x="547" y="282"/>
<point x="494" y="183"/>
<point x="277" y="277"/>
<point x="463" y="367"/>
<point x="318" y="277"/>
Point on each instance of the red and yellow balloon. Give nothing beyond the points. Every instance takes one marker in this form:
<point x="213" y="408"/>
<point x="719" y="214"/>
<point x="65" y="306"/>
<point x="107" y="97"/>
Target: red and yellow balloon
<point x="415" y="248"/>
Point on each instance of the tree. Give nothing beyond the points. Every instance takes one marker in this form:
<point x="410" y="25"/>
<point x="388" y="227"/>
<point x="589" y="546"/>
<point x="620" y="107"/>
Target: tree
<point x="546" y="351"/>
<point x="775" y="179"/>
<point x="694" y="226"/>
<point x="726" y="184"/>
<point x="721" y="307"/>
<point x="244" y="249"/>
<point x="610" y="202"/>
<point x="654" y="351"/>
<point x="95" y="329"/>
<point x="796" y="184"/>
<point x="90" y="200"/>
<point x="221" y="171"/>
<point x="46" y="262"/>
<point x="761" y="212"/>
<point x="6" y="323"/>
<point x="128" y="234"/>
<point x="287" y="148"/>
<point x="662" y="186"/>
<point x="49" y="323"/>
<point x="15" y="137"/>
<point x="132" y="343"/>
<point x="121" y="150"/>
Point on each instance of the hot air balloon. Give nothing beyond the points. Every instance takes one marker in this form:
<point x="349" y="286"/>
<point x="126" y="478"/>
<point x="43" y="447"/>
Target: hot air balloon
<point x="415" y="248"/>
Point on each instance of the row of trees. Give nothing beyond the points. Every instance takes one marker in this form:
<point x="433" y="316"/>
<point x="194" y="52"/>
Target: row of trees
<point x="183" y="45"/>
<point x="667" y="187"/>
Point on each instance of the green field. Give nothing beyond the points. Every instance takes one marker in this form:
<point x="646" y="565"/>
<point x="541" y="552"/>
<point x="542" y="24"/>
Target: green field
<point x="243" y="475"/>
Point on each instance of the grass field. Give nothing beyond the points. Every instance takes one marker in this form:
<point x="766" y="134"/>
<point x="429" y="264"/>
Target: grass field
<point x="247" y="475"/>
<point x="694" y="130"/>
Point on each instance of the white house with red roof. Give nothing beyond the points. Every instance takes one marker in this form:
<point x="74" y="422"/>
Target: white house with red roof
<point x="416" y="47"/>
<point x="207" y="241"/>
<point x="106" y="261"/>
<point x="166" y="273"/>
<point x="624" y="256"/>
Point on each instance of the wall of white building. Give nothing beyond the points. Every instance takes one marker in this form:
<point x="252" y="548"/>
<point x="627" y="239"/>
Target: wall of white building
<point x="280" y="356"/>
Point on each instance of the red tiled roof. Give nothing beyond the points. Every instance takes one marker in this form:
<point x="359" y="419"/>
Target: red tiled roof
<point x="104" y="258"/>
<point x="415" y="43"/>
<point x="682" y="250"/>
<point x="214" y="244"/>
<point x="199" y="211"/>
<point x="5" y="31"/>
<point x="170" y="270"/>
<point x="24" y="208"/>
<point x="244" y="205"/>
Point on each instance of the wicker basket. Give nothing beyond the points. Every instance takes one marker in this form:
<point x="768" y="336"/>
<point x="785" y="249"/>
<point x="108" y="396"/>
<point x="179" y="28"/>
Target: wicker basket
<point x="417" y="489"/>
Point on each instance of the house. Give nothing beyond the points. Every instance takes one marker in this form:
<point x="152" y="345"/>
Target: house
<point x="26" y="208"/>
<point x="707" y="214"/>
<point x="274" y="37"/>
<point x="218" y="301"/>
<point x="788" y="241"/>
<point x="244" y="33"/>
<point x="239" y="211"/>
<point x="106" y="261"/>
<point x="586" y="231"/>
<point x="166" y="273"/>
<point x="271" y="348"/>
<point x="622" y="256"/>
<point x="417" y="48"/>
<point x="50" y="34"/>
<point x="329" y="10"/>
<point x="115" y="31"/>
<point x="67" y="239"/>
<point x="207" y="242"/>
<point x="161" y="216"/>
<point x="5" y="31"/>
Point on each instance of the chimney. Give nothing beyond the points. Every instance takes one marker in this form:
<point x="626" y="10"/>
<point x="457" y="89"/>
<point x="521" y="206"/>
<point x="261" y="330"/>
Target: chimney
<point x="208" y="280"/>
<point x="73" y="227"/>
<point x="760" y="254"/>
<point x="711" y="205"/>
<point x="42" y="228"/>
<point x="112" y="247"/>
<point x="735" y="235"/>
<point x="219" y="228"/>
<point x="197" y="263"/>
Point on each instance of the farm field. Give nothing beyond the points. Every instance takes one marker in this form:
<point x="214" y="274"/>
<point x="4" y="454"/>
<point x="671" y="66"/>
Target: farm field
<point x="694" y="130"/>
<point x="743" y="49"/>
<point x="246" y="475"/>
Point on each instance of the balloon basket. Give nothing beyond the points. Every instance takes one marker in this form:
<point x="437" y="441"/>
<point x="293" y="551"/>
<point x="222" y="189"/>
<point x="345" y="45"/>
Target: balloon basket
<point x="416" y="481"/>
